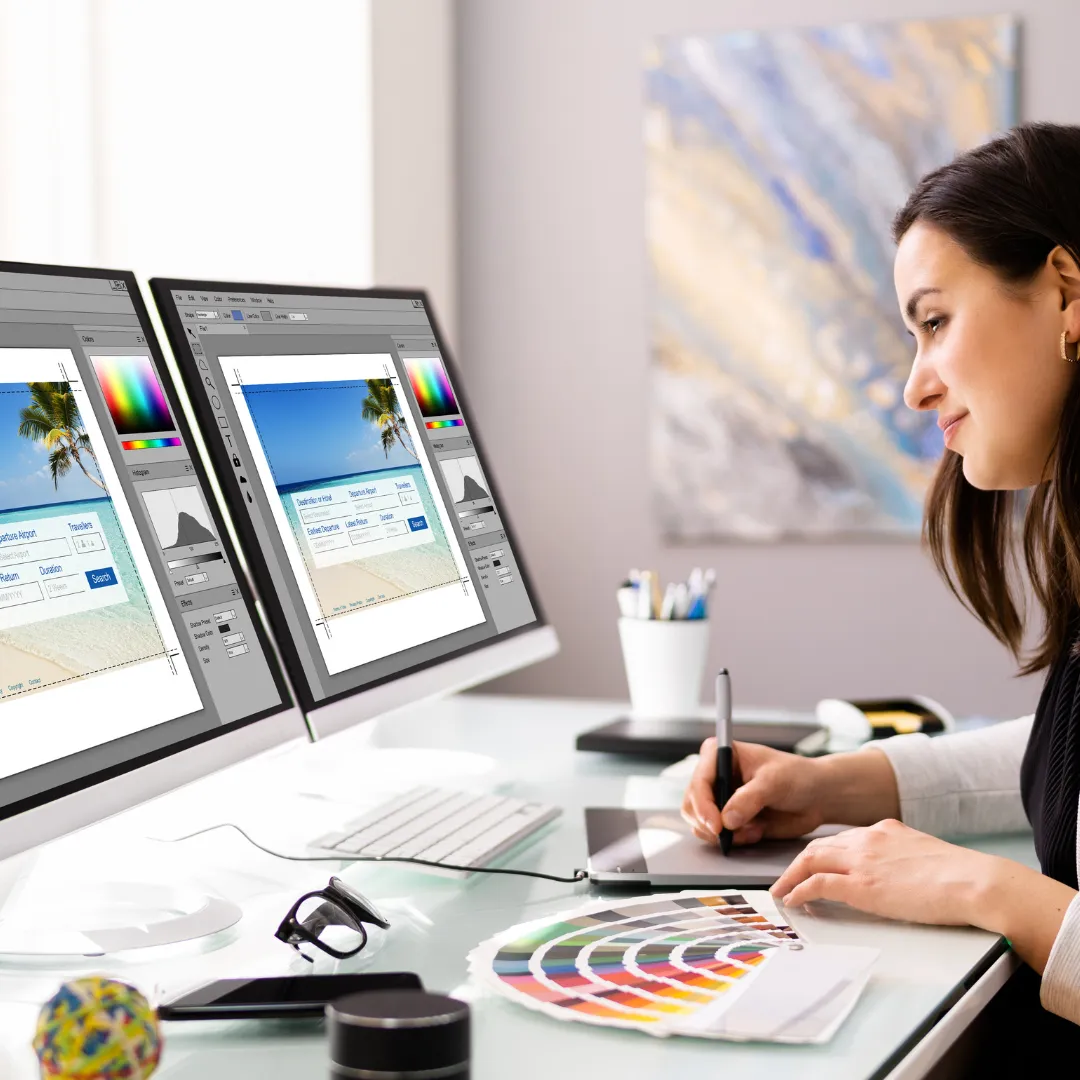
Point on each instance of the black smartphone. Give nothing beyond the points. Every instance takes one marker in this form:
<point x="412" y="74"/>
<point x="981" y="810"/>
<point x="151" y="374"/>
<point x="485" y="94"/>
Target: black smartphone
<point x="287" y="996"/>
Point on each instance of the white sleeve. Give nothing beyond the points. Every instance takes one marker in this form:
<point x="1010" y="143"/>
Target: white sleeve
<point x="1060" y="991"/>
<point x="961" y="784"/>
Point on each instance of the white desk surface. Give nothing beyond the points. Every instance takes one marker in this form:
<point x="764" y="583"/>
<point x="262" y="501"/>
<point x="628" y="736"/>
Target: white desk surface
<point x="303" y="790"/>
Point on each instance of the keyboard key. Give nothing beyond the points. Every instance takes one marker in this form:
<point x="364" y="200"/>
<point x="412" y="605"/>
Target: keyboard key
<point x="445" y="817"/>
<point x="411" y="847"/>
<point x="440" y="826"/>
<point x="499" y="839"/>
<point x="447" y="849"/>
<point x="372" y="828"/>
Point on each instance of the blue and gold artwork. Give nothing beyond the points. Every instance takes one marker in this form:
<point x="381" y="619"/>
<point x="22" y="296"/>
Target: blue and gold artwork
<point x="775" y="161"/>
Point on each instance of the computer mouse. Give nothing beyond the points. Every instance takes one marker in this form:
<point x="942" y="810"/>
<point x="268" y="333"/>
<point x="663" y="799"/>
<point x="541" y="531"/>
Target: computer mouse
<point x="860" y="719"/>
<point x="845" y="720"/>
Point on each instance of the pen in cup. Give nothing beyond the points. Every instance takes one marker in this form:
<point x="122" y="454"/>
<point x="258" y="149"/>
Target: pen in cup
<point x="645" y="595"/>
<point x="628" y="600"/>
<point x="667" y="605"/>
<point x="640" y="596"/>
<point x="724" y="784"/>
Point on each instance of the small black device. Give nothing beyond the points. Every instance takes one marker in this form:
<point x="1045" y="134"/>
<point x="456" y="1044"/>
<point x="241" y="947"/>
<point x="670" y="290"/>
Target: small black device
<point x="284" y="997"/>
<point x="670" y="740"/>
<point x="400" y="1034"/>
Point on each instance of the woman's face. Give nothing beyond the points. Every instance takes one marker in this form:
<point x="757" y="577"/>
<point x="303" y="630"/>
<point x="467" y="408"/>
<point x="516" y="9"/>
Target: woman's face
<point x="988" y="354"/>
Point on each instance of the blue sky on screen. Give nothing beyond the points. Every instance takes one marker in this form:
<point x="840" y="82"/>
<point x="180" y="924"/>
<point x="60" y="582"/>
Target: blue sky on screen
<point x="314" y="431"/>
<point x="24" y="464"/>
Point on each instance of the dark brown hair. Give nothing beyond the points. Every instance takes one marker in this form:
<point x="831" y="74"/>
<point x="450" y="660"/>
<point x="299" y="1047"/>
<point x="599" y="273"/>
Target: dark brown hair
<point x="1008" y="203"/>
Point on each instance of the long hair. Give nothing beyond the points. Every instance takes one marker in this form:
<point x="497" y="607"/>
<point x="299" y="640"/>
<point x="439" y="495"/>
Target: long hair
<point x="1008" y="203"/>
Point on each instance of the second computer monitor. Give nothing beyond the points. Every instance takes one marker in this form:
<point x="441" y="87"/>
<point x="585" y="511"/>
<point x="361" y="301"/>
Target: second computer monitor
<point x="367" y="509"/>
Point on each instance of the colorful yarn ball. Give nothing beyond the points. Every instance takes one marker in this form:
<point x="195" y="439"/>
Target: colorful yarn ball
<point x="97" y="1029"/>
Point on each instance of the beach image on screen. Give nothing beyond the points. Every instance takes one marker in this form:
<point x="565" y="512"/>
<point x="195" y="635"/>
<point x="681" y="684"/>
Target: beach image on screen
<point x="72" y="604"/>
<point x="345" y="468"/>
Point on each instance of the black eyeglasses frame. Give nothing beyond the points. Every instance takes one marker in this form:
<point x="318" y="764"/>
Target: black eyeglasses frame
<point x="338" y="897"/>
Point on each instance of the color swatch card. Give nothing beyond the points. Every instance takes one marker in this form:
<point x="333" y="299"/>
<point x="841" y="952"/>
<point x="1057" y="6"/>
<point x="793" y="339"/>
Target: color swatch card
<point x="690" y="963"/>
<point x="431" y="386"/>
<point x="133" y="394"/>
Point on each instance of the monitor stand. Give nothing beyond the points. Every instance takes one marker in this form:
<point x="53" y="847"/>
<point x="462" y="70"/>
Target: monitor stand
<point x="93" y="919"/>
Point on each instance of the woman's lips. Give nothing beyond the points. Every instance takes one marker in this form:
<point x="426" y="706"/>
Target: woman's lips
<point x="950" y="430"/>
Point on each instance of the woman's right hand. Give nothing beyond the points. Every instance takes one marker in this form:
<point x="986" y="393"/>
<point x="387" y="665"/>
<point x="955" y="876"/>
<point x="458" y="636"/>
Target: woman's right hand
<point x="780" y="795"/>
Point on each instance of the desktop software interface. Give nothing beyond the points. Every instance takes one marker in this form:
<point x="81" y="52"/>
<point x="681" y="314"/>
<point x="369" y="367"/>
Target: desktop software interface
<point x="124" y="631"/>
<point x="372" y="515"/>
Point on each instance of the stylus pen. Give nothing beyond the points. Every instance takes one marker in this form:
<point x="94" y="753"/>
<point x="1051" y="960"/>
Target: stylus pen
<point x="724" y="784"/>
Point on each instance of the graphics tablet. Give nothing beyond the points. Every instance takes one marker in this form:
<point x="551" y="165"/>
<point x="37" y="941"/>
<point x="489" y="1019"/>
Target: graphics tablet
<point x="656" y="847"/>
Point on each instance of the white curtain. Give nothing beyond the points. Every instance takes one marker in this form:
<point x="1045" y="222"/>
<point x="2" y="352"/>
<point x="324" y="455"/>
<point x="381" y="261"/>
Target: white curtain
<point x="215" y="138"/>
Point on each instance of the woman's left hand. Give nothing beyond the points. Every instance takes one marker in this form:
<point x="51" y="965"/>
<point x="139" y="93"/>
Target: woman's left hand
<point x="891" y="870"/>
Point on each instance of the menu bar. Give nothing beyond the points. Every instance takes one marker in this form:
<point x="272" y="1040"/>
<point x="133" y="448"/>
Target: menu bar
<point x="295" y="301"/>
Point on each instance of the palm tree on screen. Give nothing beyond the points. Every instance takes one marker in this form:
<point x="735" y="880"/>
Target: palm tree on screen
<point x="382" y="408"/>
<point x="52" y="418"/>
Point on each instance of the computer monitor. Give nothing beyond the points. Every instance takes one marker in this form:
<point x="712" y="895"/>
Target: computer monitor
<point x="132" y="658"/>
<point x="364" y="501"/>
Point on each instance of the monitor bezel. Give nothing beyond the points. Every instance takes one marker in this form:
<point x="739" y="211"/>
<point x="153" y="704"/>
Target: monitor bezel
<point x="103" y="776"/>
<point x="161" y="289"/>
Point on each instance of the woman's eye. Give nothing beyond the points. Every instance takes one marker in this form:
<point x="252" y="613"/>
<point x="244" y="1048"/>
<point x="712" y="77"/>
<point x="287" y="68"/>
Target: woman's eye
<point x="932" y="325"/>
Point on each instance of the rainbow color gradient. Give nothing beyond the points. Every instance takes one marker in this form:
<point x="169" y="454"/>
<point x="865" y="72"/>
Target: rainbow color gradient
<point x="133" y="394"/>
<point x="431" y="386"/>
<point x="456" y="422"/>
<point x="149" y="444"/>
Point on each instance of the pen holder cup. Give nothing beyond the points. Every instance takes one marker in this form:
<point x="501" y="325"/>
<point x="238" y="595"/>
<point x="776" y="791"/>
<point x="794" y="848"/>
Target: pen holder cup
<point x="665" y="665"/>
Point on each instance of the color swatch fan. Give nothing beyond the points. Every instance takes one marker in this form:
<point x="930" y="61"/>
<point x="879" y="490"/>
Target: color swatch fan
<point x="703" y="964"/>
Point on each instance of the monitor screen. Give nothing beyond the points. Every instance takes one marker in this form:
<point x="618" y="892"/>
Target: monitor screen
<point x="336" y="419"/>
<point x="126" y="632"/>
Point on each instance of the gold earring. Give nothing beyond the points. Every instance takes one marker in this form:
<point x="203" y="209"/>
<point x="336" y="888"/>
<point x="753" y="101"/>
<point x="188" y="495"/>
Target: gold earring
<point x="1064" y="353"/>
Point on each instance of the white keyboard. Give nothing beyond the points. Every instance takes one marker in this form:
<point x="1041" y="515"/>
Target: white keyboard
<point x="439" y="825"/>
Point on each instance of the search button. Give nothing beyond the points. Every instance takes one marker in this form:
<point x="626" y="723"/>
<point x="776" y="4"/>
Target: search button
<point x="100" y="579"/>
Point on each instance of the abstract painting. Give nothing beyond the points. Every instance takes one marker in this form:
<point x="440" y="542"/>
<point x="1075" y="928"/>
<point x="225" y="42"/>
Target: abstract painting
<point x="775" y="161"/>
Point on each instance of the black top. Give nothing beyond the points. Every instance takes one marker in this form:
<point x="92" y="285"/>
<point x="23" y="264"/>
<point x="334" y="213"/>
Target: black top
<point x="399" y="1033"/>
<point x="1050" y="773"/>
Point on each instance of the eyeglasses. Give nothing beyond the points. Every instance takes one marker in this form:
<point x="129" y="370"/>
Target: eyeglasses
<point x="331" y="919"/>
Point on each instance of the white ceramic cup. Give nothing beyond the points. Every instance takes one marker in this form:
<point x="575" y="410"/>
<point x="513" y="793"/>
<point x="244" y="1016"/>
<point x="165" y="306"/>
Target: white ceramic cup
<point x="665" y="664"/>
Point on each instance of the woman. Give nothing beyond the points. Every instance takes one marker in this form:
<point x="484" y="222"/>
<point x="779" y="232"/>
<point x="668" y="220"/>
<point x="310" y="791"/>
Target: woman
<point x="987" y="273"/>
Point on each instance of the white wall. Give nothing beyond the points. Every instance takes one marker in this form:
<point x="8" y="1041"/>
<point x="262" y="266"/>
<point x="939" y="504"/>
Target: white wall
<point x="553" y="287"/>
<point x="228" y="140"/>
<point x="47" y="157"/>
<point x="236" y="139"/>
<point x="414" y="137"/>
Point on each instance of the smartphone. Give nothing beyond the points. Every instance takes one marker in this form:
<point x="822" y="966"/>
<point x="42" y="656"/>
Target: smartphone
<point x="287" y="996"/>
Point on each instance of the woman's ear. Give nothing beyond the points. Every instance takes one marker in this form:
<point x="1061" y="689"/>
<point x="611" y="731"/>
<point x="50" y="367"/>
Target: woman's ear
<point x="1066" y="272"/>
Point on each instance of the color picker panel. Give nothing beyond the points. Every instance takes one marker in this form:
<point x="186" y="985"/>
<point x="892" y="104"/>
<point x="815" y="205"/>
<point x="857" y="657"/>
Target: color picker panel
<point x="148" y="444"/>
<point x="431" y="386"/>
<point x="133" y="394"/>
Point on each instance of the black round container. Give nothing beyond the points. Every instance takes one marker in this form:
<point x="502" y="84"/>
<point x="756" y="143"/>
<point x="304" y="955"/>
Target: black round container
<point x="398" y="1035"/>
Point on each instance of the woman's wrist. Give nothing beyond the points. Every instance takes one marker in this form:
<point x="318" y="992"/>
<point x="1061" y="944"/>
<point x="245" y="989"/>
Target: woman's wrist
<point x="858" y="787"/>
<point x="1021" y="904"/>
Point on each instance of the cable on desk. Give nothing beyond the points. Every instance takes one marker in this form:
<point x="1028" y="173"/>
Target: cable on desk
<point x="579" y="875"/>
